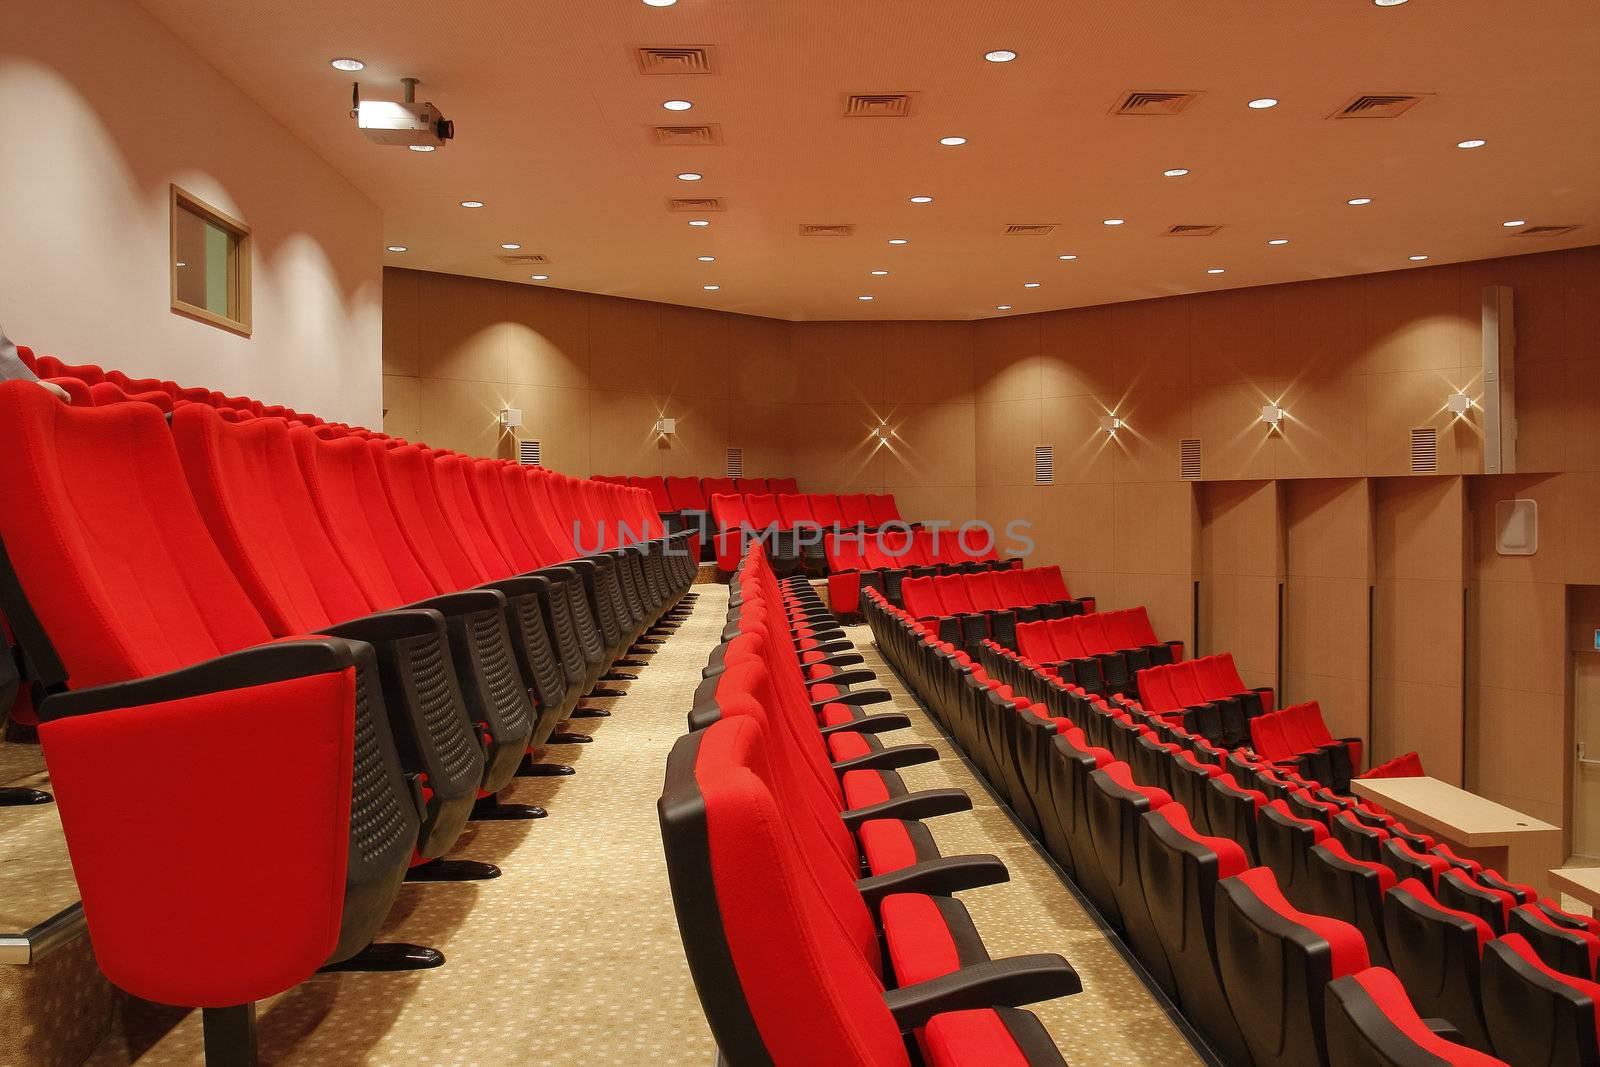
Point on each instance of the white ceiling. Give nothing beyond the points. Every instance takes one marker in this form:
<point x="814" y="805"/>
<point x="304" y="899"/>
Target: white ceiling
<point x="552" y="120"/>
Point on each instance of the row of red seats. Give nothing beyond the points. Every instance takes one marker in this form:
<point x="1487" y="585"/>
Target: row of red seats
<point x="1208" y="694"/>
<point x="1099" y="652"/>
<point x="694" y="494"/>
<point x="792" y="526"/>
<point x="773" y="807"/>
<point x="1220" y="869"/>
<point x="883" y="559"/>
<point x="966" y="608"/>
<point x="335" y="651"/>
<point x="1297" y="734"/>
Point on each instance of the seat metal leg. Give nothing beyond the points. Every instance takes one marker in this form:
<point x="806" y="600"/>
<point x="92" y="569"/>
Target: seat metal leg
<point x="17" y="796"/>
<point x="395" y="956"/>
<point x="230" y="1036"/>
<point x="489" y="809"/>
<point x="452" y="871"/>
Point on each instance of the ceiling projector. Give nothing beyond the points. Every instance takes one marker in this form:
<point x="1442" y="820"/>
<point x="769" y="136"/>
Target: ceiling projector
<point x="401" y="122"/>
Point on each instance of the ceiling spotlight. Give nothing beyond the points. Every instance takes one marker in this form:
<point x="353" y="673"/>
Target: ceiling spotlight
<point x="690" y="176"/>
<point x="1214" y="270"/>
<point x="1262" y="103"/>
<point x="1067" y="258"/>
<point x="1388" y="3"/>
<point x="1417" y="259"/>
<point x="1459" y="403"/>
<point x="711" y="288"/>
<point x="1115" y="222"/>
<point x="541" y="277"/>
<point x="676" y="105"/>
<point x="345" y="63"/>
<point x="1273" y="415"/>
<point x="699" y="222"/>
<point x="1359" y="201"/>
<point x="897" y="241"/>
<point x="922" y="199"/>
<point x="423" y="147"/>
<point x="1002" y="307"/>
<point x="1031" y="285"/>
<point x="181" y="263"/>
<point x="1512" y="223"/>
<point x="878" y="273"/>
<point x="1175" y="172"/>
<point x="863" y="298"/>
<point x="1278" y="241"/>
<point x="392" y="248"/>
<point x="1000" y="55"/>
<point x="1472" y="142"/>
<point x="951" y="142"/>
<point x="511" y="246"/>
<point x="659" y="3"/>
<point x="472" y="203"/>
<point x="706" y="259"/>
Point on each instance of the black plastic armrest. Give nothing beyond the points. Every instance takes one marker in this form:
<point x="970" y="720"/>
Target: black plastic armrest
<point x="889" y="759"/>
<point x="386" y="626"/>
<point x="841" y="678"/>
<point x="843" y="659"/>
<point x="855" y="698"/>
<point x="937" y="877"/>
<point x="260" y="665"/>
<point x="1446" y="1029"/>
<point x="1009" y="982"/>
<point x="833" y="645"/>
<point x="923" y="804"/>
<point x="521" y="585"/>
<point x="870" y="724"/>
<point x="464" y="602"/>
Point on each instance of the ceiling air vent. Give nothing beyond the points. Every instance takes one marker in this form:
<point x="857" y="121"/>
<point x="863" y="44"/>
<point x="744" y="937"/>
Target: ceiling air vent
<point x="1154" y="103"/>
<point x="1030" y="229"/>
<point x="878" y="105"/>
<point x="1545" y="231"/>
<point x="1189" y="459"/>
<point x="735" y="463"/>
<point x="827" y="229"/>
<point x="1377" y="106"/>
<point x="1424" y="450"/>
<point x="1044" y="465"/>
<point x="528" y="453"/>
<point x="690" y="59"/>
<point x="696" y="204"/>
<point x="1192" y="229"/>
<point x="524" y="259"/>
<point x="687" y="136"/>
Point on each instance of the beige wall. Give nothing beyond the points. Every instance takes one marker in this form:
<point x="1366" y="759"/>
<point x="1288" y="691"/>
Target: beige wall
<point x="103" y="109"/>
<point x="593" y="373"/>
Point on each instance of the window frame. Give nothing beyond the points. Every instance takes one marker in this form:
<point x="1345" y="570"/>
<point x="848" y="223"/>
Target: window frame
<point x="243" y="252"/>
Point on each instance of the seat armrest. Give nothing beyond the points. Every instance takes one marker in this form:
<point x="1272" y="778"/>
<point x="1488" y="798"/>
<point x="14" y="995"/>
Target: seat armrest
<point x="1009" y="982"/>
<point x="834" y="645"/>
<point x="843" y="659"/>
<point x="938" y="877"/>
<point x="855" y="698"/>
<point x="870" y="724"/>
<point x="923" y="804"/>
<point x="258" y="665"/>
<point x="464" y="602"/>
<point x="1446" y="1029"/>
<point x="842" y="678"/>
<point x="888" y="759"/>
<point x="386" y="626"/>
<point x="521" y="585"/>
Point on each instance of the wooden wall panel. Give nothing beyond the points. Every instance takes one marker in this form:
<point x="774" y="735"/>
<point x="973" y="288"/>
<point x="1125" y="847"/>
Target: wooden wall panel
<point x="1241" y="568"/>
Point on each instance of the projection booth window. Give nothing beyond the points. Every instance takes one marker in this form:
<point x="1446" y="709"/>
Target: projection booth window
<point x="210" y="264"/>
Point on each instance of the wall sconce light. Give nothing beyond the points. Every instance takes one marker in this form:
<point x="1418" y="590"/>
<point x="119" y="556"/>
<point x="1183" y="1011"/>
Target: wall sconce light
<point x="880" y="434"/>
<point x="1273" y="416"/>
<point x="1110" y="424"/>
<point x="666" y="426"/>
<point x="511" y="418"/>
<point x="1459" y="404"/>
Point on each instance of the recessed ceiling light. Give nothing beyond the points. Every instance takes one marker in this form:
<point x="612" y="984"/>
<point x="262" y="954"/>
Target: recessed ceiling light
<point x="1000" y="55"/>
<point x="1068" y="258"/>
<point x="1359" y="201"/>
<point x="951" y="142"/>
<point x="1175" y="172"/>
<point x="346" y="63"/>
<point x="1472" y="142"/>
<point x="1278" y="241"/>
<point x="541" y="277"/>
<point x="699" y="222"/>
<point x="1214" y="270"/>
<point x="897" y="240"/>
<point x="922" y="199"/>
<point x="706" y="259"/>
<point x="1416" y="259"/>
<point x="392" y="248"/>
<point x="863" y="298"/>
<point x="472" y="203"/>
<point x="1002" y="307"/>
<point x="423" y="147"/>
<point x="711" y="288"/>
<point x="676" y="105"/>
<point x="510" y="246"/>
<point x="1115" y="222"/>
<point x="1262" y="103"/>
<point x="690" y="176"/>
<point x="1031" y="285"/>
<point x="659" y="3"/>
<point x="878" y="273"/>
<point x="1388" y="3"/>
<point x="1509" y="223"/>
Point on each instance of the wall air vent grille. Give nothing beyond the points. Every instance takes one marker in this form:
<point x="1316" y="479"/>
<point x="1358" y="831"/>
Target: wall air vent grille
<point x="690" y="59"/>
<point x="1377" y="106"/>
<point x="525" y="259"/>
<point x="1424" y="450"/>
<point x="1044" y="465"/>
<point x="735" y="463"/>
<point x="1189" y="459"/>
<point x="696" y="204"/>
<point x="1193" y="229"/>
<point x="528" y="453"/>
<point x="687" y="136"/>
<point x="1030" y="229"/>
<point x="827" y="229"/>
<point x="878" y="105"/>
<point x="1147" y="102"/>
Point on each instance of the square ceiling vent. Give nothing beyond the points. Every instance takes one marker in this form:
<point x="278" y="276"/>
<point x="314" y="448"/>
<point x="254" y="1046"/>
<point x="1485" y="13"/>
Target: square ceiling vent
<point x="697" y="204"/>
<point x="1544" y="231"/>
<point x="1378" y="105"/>
<point x="827" y="229"/>
<point x="685" y="59"/>
<point x="1159" y="102"/>
<point x="1029" y="229"/>
<point x="1193" y="229"/>
<point x="687" y="136"/>
<point x="878" y="105"/>
<point x="525" y="259"/>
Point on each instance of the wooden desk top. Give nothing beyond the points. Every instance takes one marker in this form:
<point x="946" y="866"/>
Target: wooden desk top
<point x="1463" y="817"/>
<point x="1580" y="882"/>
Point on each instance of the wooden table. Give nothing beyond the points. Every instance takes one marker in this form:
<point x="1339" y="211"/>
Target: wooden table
<point x="1580" y="883"/>
<point x="1517" y="845"/>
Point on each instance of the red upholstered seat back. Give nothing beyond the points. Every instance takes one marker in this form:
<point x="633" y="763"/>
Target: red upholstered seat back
<point x="108" y="544"/>
<point x="782" y="485"/>
<point x="843" y="552"/>
<point x="450" y="480"/>
<point x="712" y="486"/>
<point x="1212" y="680"/>
<point x="1118" y="629"/>
<point x="983" y="592"/>
<point x="487" y="483"/>
<point x="1034" y="641"/>
<point x="1155" y="689"/>
<point x="795" y="510"/>
<point x="749" y="486"/>
<point x="1092" y="632"/>
<point x="922" y="599"/>
<point x="728" y="511"/>
<point x="883" y="507"/>
<point x="1231" y="859"/>
<point x="826" y="510"/>
<point x="685" y="494"/>
<point x="1185" y="684"/>
<point x="952" y="590"/>
<point x="1139" y="623"/>
<point x="433" y="534"/>
<point x="1046" y="585"/>
<point x="656" y="486"/>
<point x="1348" y="947"/>
<point x="856" y="508"/>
